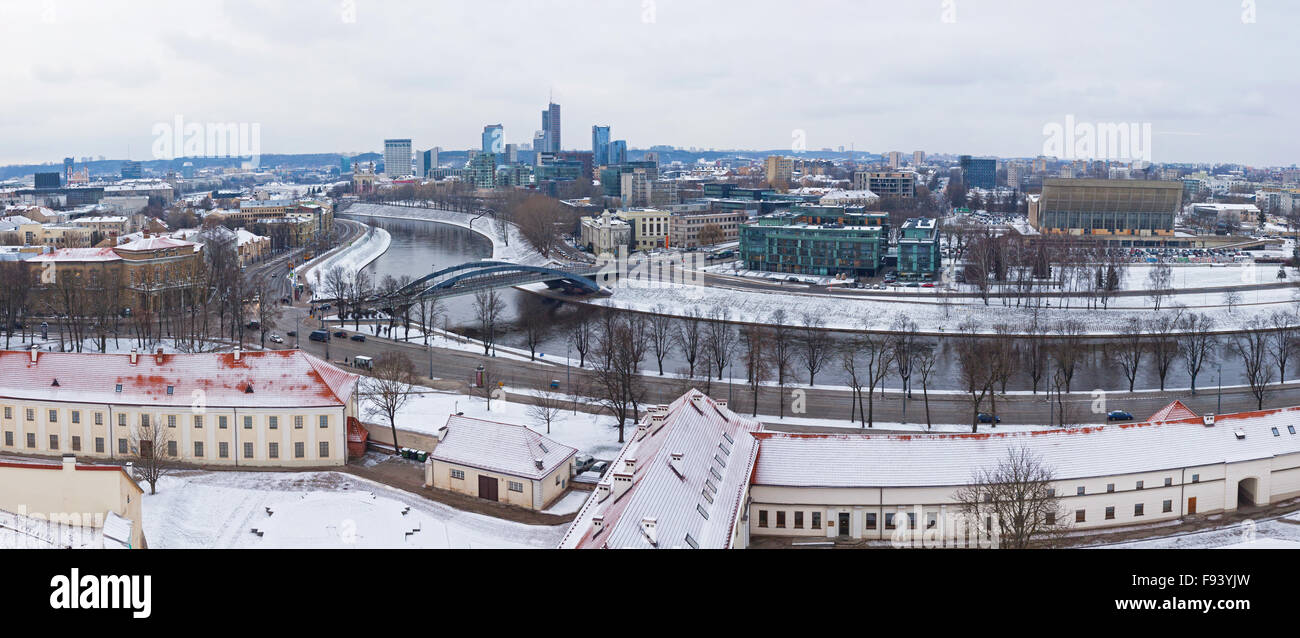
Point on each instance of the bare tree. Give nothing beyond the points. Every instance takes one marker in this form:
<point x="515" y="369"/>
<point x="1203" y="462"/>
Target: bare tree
<point x="924" y="358"/>
<point x="1252" y="346"/>
<point x="488" y="307"/>
<point x="974" y="370"/>
<point x="816" y="345"/>
<point x="388" y="389"/>
<point x="719" y="339"/>
<point x="1196" y="342"/>
<point x="1284" y="341"/>
<point x="1231" y="298"/>
<point x="1163" y="328"/>
<point x="1129" y="349"/>
<point x="1018" y="497"/>
<point x="878" y="351"/>
<point x="618" y="378"/>
<point x="153" y="451"/>
<point x="690" y="337"/>
<point x="580" y="335"/>
<point x="1068" y="348"/>
<point x="1159" y="281"/>
<point x="782" y="353"/>
<point x="754" y="342"/>
<point x="546" y="407"/>
<point x="660" y="332"/>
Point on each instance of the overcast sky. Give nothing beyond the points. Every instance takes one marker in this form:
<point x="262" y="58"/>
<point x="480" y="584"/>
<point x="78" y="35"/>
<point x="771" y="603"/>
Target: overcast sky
<point x="94" y="77"/>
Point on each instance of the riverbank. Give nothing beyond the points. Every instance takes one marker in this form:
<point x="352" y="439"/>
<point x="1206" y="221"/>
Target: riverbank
<point x="513" y="247"/>
<point x="353" y="257"/>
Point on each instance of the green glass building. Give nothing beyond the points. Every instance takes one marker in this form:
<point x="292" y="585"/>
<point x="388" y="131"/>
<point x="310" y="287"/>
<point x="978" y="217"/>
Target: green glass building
<point x="817" y="240"/>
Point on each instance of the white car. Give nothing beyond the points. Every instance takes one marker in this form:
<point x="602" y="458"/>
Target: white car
<point x="276" y="339"/>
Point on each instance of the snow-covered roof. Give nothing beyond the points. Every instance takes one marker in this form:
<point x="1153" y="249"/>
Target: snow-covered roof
<point x="278" y="379"/>
<point x="78" y="254"/>
<point x="691" y="466"/>
<point x="156" y="243"/>
<point x="499" y="447"/>
<point x="858" y="460"/>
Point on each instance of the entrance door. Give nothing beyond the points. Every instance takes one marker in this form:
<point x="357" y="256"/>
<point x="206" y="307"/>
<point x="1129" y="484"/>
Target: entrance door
<point x="1191" y="505"/>
<point x="844" y="523"/>
<point x="487" y="488"/>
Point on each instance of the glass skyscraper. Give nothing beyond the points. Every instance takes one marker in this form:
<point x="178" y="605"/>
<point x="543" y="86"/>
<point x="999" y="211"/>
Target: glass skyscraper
<point x="600" y="145"/>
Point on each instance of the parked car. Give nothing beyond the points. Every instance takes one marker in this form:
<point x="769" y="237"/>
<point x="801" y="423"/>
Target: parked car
<point x="582" y="463"/>
<point x="600" y="468"/>
<point x="794" y="280"/>
<point x="1118" y="415"/>
<point x="276" y="338"/>
<point x="325" y="307"/>
<point x="291" y="333"/>
<point x="319" y="335"/>
<point x="358" y="337"/>
<point x="985" y="417"/>
<point x="927" y="285"/>
<point x="340" y="334"/>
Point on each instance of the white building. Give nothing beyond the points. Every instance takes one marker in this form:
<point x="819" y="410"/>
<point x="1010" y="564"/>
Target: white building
<point x="605" y="234"/>
<point x="397" y="157"/>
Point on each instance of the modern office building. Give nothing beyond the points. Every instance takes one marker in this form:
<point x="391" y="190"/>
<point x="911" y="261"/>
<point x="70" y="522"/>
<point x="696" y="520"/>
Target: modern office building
<point x="918" y="249"/>
<point x="551" y="129"/>
<point x="425" y="162"/>
<point x="895" y="184"/>
<point x="600" y="145"/>
<point x="132" y="170"/>
<point x="978" y="173"/>
<point x="483" y="170"/>
<point x="617" y="153"/>
<point x="779" y="170"/>
<point x="817" y="240"/>
<point x="397" y="157"/>
<point x="494" y="139"/>
<point x="1109" y="209"/>
<point x="585" y="158"/>
<point x="49" y="180"/>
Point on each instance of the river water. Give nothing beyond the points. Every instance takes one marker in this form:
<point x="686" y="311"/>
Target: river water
<point x="421" y="247"/>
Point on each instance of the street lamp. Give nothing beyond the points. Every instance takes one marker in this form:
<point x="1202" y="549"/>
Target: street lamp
<point x="1219" y="402"/>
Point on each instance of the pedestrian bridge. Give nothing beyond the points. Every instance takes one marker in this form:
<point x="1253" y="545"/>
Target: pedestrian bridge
<point x="471" y="277"/>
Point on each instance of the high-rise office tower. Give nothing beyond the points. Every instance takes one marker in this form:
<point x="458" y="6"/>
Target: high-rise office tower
<point x="600" y="145"/>
<point x="617" y="153"/>
<point x="494" y="139"/>
<point x="918" y="158"/>
<point x="551" y="128"/>
<point x="426" y="161"/>
<point x="397" y="157"/>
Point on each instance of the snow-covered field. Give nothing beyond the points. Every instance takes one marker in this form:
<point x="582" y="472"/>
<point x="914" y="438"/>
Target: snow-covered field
<point x="358" y="255"/>
<point x="517" y="250"/>
<point x="317" y="510"/>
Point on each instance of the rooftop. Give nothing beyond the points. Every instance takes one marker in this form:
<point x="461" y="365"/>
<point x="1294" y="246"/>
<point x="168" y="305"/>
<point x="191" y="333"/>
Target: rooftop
<point x="499" y="447"/>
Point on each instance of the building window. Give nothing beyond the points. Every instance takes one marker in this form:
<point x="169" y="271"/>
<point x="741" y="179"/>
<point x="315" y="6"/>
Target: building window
<point x="816" y="520"/>
<point x="171" y="420"/>
<point x="1196" y="478"/>
<point x="889" y="521"/>
<point x="248" y="423"/>
<point x="1110" y="513"/>
<point x="99" y="418"/>
<point x="121" y="446"/>
<point x="297" y="421"/>
<point x="273" y="450"/>
<point x="324" y="421"/>
<point x="221" y="422"/>
<point x="248" y="450"/>
<point x="798" y="520"/>
<point x="458" y="474"/>
<point x="1110" y="487"/>
<point x="99" y="445"/>
<point x="780" y="518"/>
<point x="869" y="522"/>
<point x="1051" y="518"/>
<point x="762" y="518"/>
<point x="1079" y="516"/>
<point x="1079" y="491"/>
<point x="76" y="416"/>
<point x="9" y="412"/>
<point x="144" y="420"/>
<point x="1167" y="507"/>
<point x="223" y="450"/>
<point x="298" y="450"/>
<point x="54" y="441"/>
<point x="273" y="423"/>
<point x="76" y="444"/>
<point x="1140" y="484"/>
<point x="171" y="449"/>
<point x="1168" y="481"/>
<point x="54" y="416"/>
<point x="198" y="449"/>
<point x="515" y="486"/>
<point x="9" y="439"/>
<point x="121" y="420"/>
<point x="1139" y="509"/>
<point x="198" y="421"/>
<point x="324" y="449"/>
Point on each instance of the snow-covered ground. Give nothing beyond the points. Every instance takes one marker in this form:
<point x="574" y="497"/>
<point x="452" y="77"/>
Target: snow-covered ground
<point x="1282" y="533"/>
<point x="516" y="249"/>
<point x="854" y="311"/>
<point x="317" y="510"/>
<point x="356" y="256"/>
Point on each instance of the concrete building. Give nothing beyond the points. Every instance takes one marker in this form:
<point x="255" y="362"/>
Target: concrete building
<point x="397" y="157"/>
<point x="918" y="249"/>
<point x="650" y="227"/>
<point x="918" y="158"/>
<point x="680" y="481"/>
<point x="270" y="408"/>
<point x="978" y="173"/>
<point x="605" y="234"/>
<point x="685" y="227"/>
<point x="890" y="184"/>
<point x="69" y="505"/>
<point x="779" y="171"/>
<point x="499" y="462"/>
<point x="1135" y="212"/>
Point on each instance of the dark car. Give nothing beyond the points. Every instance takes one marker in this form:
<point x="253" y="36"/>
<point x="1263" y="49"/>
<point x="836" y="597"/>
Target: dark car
<point x="319" y="335"/>
<point x="985" y="417"/>
<point x="1118" y="415"/>
<point x="292" y="333"/>
<point x="340" y="334"/>
<point x="324" y="307"/>
<point x="358" y="337"/>
<point x="254" y="325"/>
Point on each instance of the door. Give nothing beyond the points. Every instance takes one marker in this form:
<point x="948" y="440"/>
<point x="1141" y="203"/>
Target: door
<point x="1191" y="505"/>
<point x="844" y="524"/>
<point x="487" y="488"/>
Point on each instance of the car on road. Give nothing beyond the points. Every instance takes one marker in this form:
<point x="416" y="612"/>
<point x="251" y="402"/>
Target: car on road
<point x="358" y="337"/>
<point x="319" y="335"/>
<point x="275" y="338"/>
<point x="794" y="280"/>
<point x="253" y="325"/>
<point x="291" y="333"/>
<point x="324" y="307"/>
<point x="1119" y="415"/>
<point x="340" y="334"/>
<point x="985" y="417"/>
<point x="913" y="285"/>
<point x="927" y="285"/>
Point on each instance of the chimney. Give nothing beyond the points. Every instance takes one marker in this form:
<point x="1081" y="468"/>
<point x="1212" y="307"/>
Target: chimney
<point x="722" y="403"/>
<point x="238" y="351"/>
<point x="597" y="524"/>
<point x="1208" y="419"/>
<point x="69" y="463"/>
<point x="629" y="465"/>
<point x="677" y="456"/>
<point x="135" y="356"/>
<point x="622" y="483"/>
<point x="158" y="356"/>
<point x="538" y="463"/>
<point x="602" y="491"/>
<point x="648" y="528"/>
<point x="675" y="464"/>
<point x="35" y="352"/>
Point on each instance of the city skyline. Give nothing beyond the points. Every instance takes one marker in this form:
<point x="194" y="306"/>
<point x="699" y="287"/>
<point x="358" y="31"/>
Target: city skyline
<point x="986" y="83"/>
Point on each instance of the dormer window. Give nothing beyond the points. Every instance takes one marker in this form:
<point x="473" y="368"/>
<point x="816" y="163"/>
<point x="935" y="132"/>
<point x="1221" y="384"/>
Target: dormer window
<point x="119" y="388"/>
<point x="170" y="389"/>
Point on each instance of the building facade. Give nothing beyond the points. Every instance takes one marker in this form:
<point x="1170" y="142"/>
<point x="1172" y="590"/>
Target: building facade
<point x="918" y="249"/>
<point x="894" y="184"/>
<point x="817" y="240"/>
<point x="499" y="462"/>
<point x="605" y="234"/>
<point x="978" y="173"/>
<point x="397" y="157"/>
<point x="1139" y="212"/>
<point x="684" y="228"/>
<point x="650" y="227"/>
